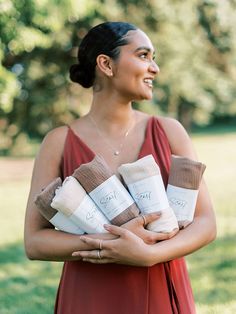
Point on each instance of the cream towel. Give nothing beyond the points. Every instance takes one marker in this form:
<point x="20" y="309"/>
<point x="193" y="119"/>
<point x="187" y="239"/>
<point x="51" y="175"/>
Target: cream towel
<point x="57" y="219"/>
<point x="72" y="200"/>
<point x="145" y="184"/>
<point x="107" y="191"/>
<point x="183" y="185"/>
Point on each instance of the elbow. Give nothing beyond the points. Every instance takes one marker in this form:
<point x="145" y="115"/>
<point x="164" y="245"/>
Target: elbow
<point x="31" y="251"/>
<point x="212" y="233"/>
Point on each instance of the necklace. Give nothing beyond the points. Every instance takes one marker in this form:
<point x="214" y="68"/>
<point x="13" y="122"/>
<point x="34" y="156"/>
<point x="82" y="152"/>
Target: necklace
<point x="116" y="152"/>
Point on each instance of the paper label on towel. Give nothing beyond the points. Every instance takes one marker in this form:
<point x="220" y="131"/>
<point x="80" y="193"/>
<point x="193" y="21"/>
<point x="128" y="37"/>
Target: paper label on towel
<point x="183" y="201"/>
<point x="88" y="217"/>
<point x="61" y="222"/>
<point x="149" y="194"/>
<point x="111" y="197"/>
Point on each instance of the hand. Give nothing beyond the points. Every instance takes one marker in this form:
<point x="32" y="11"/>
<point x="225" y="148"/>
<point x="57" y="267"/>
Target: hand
<point x="127" y="249"/>
<point x="137" y="226"/>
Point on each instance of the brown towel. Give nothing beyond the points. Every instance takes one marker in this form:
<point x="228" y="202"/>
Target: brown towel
<point x="144" y="181"/>
<point x="57" y="219"/>
<point x="107" y="191"/>
<point x="183" y="185"/>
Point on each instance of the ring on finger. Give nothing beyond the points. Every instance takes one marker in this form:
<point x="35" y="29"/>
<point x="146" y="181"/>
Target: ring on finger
<point x="144" y="219"/>
<point x="99" y="254"/>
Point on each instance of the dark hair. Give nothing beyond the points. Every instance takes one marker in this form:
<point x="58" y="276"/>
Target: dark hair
<point x="105" y="38"/>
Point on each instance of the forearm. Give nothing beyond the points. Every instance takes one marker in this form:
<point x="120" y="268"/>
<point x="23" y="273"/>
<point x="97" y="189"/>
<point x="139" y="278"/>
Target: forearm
<point x="52" y="245"/>
<point x="201" y="232"/>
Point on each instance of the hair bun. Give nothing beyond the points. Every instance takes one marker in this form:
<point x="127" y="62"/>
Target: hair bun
<point x="79" y="74"/>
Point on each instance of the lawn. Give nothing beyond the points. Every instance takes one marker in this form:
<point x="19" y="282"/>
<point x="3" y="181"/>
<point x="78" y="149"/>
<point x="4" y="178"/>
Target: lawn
<point x="28" y="287"/>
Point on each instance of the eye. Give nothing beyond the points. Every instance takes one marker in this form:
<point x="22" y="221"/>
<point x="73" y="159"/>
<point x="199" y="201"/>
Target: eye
<point x="144" y="55"/>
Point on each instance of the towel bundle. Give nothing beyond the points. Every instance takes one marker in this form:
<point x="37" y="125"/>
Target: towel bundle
<point x="107" y="191"/>
<point x="146" y="186"/>
<point x="72" y="200"/>
<point x="93" y="195"/>
<point x="183" y="185"/>
<point x="57" y="219"/>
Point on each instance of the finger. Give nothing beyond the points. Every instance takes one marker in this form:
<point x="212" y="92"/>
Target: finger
<point x="173" y="233"/>
<point x="118" y="231"/>
<point x="99" y="261"/>
<point x="94" y="243"/>
<point x="150" y="237"/>
<point x="147" y="218"/>
<point x="94" y="254"/>
<point x="160" y="236"/>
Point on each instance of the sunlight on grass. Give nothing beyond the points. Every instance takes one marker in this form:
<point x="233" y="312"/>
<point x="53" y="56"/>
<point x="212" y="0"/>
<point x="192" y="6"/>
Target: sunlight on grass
<point x="213" y="268"/>
<point x="13" y="196"/>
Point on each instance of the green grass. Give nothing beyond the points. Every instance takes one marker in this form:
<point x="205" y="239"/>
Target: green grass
<point x="28" y="287"/>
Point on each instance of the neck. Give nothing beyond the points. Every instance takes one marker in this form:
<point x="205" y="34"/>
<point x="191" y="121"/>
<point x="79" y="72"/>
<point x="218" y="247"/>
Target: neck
<point x="111" y="113"/>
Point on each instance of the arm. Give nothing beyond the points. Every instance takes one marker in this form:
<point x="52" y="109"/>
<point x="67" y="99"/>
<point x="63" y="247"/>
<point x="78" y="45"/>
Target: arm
<point x="42" y="241"/>
<point x="129" y="250"/>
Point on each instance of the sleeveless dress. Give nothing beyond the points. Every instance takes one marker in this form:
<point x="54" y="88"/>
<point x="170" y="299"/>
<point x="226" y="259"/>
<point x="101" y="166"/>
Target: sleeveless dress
<point x="87" y="288"/>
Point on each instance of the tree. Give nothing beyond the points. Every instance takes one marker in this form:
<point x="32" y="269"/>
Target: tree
<point x="195" y="43"/>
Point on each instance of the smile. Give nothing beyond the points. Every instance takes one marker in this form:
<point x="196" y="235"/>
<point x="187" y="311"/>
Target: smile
<point x="148" y="82"/>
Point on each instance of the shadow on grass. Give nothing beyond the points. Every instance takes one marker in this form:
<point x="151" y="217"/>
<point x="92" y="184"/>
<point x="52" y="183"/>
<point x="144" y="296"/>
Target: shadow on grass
<point x="26" y="287"/>
<point x="213" y="272"/>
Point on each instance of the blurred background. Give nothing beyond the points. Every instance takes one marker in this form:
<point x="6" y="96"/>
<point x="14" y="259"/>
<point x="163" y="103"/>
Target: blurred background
<point x="195" y="43"/>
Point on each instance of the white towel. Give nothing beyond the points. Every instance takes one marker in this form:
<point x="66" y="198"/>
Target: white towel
<point x="146" y="186"/>
<point x="72" y="200"/>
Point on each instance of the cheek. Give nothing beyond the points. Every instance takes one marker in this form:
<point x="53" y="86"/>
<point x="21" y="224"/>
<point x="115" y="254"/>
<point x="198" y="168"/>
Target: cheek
<point x="130" y="70"/>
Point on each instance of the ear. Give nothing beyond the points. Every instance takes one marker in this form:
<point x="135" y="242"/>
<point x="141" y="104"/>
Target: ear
<point x="104" y="64"/>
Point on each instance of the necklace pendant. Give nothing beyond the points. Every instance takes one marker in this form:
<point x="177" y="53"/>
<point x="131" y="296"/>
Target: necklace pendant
<point x="116" y="153"/>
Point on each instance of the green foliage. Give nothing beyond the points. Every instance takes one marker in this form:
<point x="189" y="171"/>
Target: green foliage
<point x="196" y="51"/>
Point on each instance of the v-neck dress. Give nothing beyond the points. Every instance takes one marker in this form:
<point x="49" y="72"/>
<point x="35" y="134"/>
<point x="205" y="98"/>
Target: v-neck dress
<point x="87" y="288"/>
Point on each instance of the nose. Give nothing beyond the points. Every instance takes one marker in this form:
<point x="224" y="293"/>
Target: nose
<point x="154" y="68"/>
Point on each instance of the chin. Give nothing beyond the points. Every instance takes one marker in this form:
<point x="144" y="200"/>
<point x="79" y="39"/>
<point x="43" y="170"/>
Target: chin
<point x="143" y="96"/>
<point x="146" y="97"/>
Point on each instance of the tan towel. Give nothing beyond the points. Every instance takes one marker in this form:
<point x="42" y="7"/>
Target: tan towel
<point x="183" y="185"/>
<point x="72" y="200"/>
<point x="107" y="191"/>
<point x="57" y="219"/>
<point x="145" y="184"/>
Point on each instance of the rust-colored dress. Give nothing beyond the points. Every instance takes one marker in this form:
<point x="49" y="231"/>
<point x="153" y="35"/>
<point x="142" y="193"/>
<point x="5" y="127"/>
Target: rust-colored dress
<point x="87" y="288"/>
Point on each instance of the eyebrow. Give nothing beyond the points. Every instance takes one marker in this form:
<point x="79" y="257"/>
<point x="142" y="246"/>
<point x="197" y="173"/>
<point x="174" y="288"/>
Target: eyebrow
<point x="145" y="48"/>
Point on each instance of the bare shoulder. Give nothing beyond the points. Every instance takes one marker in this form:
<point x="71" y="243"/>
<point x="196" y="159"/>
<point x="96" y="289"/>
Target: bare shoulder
<point x="50" y="154"/>
<point x="56" y="137"/>
<point x="178" y="137"/>
<point x="171" y="126"/>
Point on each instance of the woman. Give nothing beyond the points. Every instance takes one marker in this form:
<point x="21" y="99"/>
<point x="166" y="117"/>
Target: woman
<point x="128" y="270"/>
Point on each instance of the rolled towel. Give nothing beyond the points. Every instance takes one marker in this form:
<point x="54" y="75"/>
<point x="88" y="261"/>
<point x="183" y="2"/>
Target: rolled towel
<point x="57" y="219"/>
<point x="145" y="184"/>
<point x="107" y="191"/>
<point x="183" y="185"/>
<point x="72" y="200"/>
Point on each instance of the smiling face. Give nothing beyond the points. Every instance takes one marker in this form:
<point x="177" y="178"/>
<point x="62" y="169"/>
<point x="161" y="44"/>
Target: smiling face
<point x="135" y="69"/>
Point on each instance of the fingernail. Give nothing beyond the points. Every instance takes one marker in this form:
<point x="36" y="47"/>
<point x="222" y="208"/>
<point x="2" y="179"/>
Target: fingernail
<point x="75" y="254"/>
<point x="158" y="213"/>
<point x="106" y="226"/>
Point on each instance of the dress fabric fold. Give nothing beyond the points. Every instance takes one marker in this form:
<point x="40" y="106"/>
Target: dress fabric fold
<point x="87" y="288"/>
